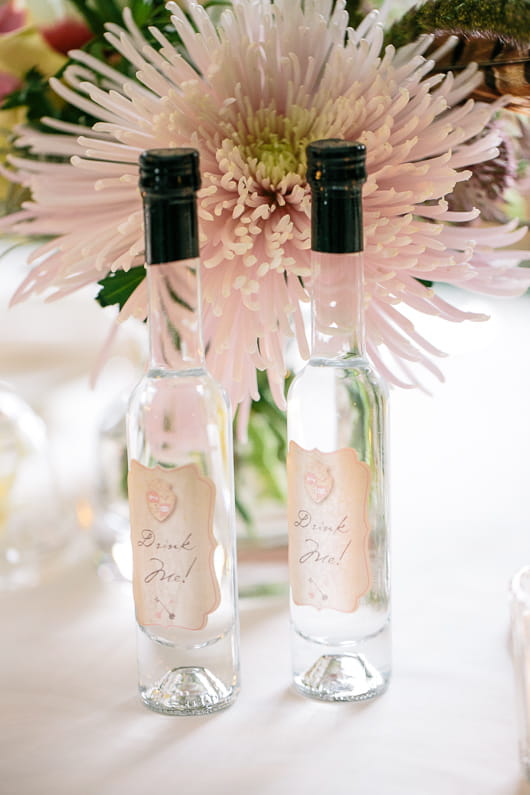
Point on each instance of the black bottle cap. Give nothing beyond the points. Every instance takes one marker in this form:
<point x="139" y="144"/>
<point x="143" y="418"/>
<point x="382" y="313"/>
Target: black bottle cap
<point x="169" y="179"/>
<point x="168" y="170"/>
<point x="336" y="170"/>
<point x="332" y="163"/>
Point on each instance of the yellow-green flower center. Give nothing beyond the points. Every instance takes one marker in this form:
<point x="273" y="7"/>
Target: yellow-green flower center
<point x="277" y="156"/>
<point x="273" y="145"/>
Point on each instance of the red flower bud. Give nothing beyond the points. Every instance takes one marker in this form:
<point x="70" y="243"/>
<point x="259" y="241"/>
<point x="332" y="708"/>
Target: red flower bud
<point x="67" y="34"/>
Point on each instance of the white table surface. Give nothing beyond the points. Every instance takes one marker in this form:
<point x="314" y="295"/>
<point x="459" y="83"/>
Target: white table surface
<point x="71" y="722"/>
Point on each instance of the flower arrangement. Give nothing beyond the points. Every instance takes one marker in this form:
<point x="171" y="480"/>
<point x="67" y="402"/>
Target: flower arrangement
<point x="249" y="83"/>
<point x="22" y="45"/>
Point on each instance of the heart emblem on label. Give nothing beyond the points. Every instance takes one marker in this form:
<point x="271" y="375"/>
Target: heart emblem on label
<point x="318" y="481"/>
<point x="161" y="500"/>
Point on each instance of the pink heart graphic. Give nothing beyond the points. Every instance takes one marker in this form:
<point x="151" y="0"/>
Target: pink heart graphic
<point x="318" y="482"/>
<point x="161" y="500"/>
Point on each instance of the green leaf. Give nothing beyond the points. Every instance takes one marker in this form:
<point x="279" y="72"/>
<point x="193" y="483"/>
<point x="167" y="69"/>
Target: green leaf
<point x="34" y="94"/>
<point x="356" y="11"/>
<point x="274" y="417"/>
<point x="109" y="10"/>
<point x="118" y="286"/>
<point x="91" y="17"/>
<point x="142" y="11"/>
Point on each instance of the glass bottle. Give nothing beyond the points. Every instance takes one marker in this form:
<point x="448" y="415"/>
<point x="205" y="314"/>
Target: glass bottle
<point x="180" y="483"/>
<point x="336" y="467"/>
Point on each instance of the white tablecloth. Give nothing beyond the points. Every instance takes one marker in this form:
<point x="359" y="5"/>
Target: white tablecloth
<point x="71" y="721"/>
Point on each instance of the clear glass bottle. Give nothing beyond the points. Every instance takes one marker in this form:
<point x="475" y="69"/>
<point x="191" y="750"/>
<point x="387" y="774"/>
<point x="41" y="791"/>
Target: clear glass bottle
<point x="180" y="484"/>
<point x="337" y="492"/>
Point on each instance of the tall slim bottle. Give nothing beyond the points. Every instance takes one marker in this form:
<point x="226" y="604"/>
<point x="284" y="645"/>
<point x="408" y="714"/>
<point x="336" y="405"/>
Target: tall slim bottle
<point x="337" y="493"/>
<point x="181" y="489"/>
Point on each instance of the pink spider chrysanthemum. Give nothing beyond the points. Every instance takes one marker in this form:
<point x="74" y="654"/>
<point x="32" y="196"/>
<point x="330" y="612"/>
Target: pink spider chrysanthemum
<point x="250" y="94"/>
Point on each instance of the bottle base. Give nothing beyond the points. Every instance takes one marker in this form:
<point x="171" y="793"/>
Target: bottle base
<point x="188" y="691"/>
<point x="341" y="677"/>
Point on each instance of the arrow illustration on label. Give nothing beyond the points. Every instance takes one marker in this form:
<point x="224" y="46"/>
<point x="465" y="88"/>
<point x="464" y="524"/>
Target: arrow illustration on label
<point x="170" y="614"/>
<point x="319" y="589"/>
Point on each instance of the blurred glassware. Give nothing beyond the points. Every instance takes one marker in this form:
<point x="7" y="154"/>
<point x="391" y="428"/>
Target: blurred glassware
<point x="520" y="614"/>
<point x="35" y="534"/>
<point x="111" y="529"/>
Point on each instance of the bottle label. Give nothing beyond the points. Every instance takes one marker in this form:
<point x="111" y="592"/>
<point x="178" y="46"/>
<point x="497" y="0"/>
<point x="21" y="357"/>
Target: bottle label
<point x="328" y="528"/>
<point x="174" y="580"/>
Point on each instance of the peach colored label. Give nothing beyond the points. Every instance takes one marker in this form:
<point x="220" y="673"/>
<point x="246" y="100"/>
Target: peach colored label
<point x="328" y="528"/>
<point x="174" y="581"/>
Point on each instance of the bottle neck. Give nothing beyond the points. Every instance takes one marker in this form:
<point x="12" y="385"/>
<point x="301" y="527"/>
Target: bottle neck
<point x="173" y="280"/>
<point x="337" y="305"/>
<point x="171" y="226"/>
<point x="175" y="332"/>
<point x="337" y="275"/>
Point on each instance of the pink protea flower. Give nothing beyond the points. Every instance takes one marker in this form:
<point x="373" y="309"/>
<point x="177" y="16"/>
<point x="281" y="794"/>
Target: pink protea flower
<point x="11" y="17"/>
<point x="489" y="181"/>
<point x="250" y="95"/>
